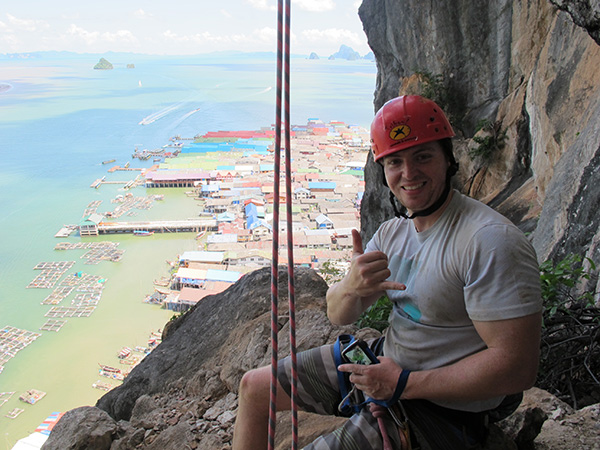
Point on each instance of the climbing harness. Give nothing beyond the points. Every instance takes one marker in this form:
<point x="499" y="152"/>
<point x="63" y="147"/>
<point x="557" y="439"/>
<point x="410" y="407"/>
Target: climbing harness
<point x="353" y="399"/>
<point x="283" y="75"/>
<point x="347" y="391"/>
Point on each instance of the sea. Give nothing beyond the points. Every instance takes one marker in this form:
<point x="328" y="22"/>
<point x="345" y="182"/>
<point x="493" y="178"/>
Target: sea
<point x="59" y="121"/>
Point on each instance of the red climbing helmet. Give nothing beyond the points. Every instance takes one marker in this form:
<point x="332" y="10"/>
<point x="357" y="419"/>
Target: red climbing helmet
<point x="406" y="121"/>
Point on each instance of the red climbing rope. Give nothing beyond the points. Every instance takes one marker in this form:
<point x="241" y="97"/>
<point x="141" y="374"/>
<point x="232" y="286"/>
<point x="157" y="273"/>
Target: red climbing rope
<point x="275" y="230"/>
<point x="283" y="74"/>
<point x="290" y="235"/>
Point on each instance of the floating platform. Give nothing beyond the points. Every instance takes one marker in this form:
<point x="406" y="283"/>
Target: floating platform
<point x="14" y="413"/>
<point x="102" y="385"/>
<point x="66" y="231"/>
<point x="53" y="325"/>
<point x="70" y="311"/>
<point x="5" y="396"/>
<point x="32" y="396"/>
<point x="13" y="340"/>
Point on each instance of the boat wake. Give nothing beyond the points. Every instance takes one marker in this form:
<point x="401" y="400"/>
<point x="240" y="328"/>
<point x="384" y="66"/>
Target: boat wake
<point x="160" y="114"/>
<point x="264" y="91"/>
<point x="189" y="114"/>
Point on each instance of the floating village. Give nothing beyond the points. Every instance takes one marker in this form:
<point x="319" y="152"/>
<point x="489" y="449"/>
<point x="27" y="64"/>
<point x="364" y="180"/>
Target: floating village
<point x="230" y="174"/>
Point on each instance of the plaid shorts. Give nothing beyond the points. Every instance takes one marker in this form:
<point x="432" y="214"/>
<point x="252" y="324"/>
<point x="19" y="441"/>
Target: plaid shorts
<point x="319" y="392"/>
<point x="432" y="426"/>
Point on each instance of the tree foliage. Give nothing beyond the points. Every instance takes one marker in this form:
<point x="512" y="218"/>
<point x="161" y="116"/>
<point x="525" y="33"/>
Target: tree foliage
<point x="570" y="348"/>
<point x="490" y="142"/>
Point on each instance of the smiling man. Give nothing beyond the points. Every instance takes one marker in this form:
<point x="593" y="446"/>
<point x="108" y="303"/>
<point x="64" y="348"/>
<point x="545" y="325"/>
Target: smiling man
<point x="463" y="339"/>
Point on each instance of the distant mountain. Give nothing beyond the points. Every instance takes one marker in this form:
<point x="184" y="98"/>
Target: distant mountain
<point x="313" y="55"/>
<point x="350" y="54"/>
<point x="346" y="52"/>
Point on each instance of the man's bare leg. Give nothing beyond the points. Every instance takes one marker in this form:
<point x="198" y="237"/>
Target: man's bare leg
<point x="252" y="422"/>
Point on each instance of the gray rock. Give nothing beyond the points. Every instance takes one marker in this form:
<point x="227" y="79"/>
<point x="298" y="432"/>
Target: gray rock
<point x="85" y="428"/>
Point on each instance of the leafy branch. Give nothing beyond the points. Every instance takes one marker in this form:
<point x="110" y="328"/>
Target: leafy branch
<point x="570" y="347"/>
<point x="491" y="141"/>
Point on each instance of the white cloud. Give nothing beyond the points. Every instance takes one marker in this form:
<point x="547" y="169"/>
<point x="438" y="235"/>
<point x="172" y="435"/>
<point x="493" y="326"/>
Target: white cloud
<point x="10" y="40"/>
<point x="27" y="24"/>
<point x="70" y="16"/>
<point x="259" y="39"/>
<point x="264" y="4"/>
<point x="266" y="34"/>
<point x="249" y="27"/>
<point x="89" y="37"/>
<point x="141" y="14"/>
<point x="332" y="35"/>
<point x="315" y="5"/>
<point x="120" y="36"/>
<point x="95" y="37"/>
<point x="198" y="38"/>
<point x="305" y="5"/>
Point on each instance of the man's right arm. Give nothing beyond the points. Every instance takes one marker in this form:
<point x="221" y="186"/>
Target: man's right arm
<point x="364" y="283"/>
<point x="344" y="306"/>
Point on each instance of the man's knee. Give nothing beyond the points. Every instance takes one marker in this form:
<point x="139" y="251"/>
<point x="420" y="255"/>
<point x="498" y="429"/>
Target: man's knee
<point x="255" y="384"/>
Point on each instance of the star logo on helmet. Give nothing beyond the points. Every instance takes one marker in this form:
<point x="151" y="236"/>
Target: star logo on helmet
<point x="400" y="132"/>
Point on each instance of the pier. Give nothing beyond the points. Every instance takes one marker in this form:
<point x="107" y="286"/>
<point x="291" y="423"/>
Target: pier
<point x="160" y="226"/>
<point x="128" y="184"/>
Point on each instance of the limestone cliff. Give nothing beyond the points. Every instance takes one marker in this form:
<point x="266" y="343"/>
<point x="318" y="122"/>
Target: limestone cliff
<point x="532" y="68"/>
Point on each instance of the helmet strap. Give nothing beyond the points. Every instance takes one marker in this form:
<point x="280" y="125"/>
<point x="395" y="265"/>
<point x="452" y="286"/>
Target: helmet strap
<point x="402" y="212"/>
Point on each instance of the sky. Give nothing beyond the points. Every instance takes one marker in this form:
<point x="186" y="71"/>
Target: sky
<point x="177" y="27"/>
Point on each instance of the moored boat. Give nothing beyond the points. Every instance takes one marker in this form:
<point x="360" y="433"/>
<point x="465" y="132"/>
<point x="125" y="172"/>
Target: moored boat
<point x="143" y="233"/>
<point x="124" y="352"/>
<point x="32" y="396"/>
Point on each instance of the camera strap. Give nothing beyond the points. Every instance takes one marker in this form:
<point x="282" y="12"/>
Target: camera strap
<point x="346" y="406"/>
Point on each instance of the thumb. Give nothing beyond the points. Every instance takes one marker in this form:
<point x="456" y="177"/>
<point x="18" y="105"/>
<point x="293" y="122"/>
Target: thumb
<point x="357" y="246"/>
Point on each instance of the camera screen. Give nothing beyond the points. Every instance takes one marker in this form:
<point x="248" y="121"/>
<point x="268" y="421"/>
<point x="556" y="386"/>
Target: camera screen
<point x="357" y="356"/>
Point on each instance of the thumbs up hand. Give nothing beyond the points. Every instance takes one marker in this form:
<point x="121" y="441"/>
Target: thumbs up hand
<point x="369" y="271"/>
<point x="364" y="283"/>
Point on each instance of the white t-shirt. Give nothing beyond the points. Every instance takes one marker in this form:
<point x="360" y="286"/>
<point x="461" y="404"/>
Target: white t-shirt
<point x="472" y="264"/>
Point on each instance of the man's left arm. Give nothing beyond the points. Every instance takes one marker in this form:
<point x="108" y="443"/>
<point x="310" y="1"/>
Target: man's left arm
<point x="508" y="365"/>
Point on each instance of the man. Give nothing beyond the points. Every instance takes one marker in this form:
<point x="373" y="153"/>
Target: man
<point x="465" y="327"/>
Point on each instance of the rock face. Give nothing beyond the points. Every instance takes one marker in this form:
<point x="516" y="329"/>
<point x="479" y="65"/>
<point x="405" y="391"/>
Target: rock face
<point x="526" y="65"/>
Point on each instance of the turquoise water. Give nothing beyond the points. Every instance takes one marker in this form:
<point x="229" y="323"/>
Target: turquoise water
<point x="58" y="122"/>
